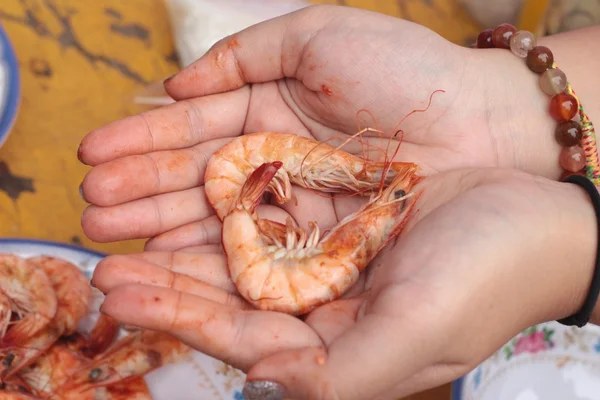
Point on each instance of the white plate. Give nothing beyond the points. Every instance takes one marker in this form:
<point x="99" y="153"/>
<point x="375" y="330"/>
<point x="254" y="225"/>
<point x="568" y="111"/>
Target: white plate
<point x="546" y="362"/>
<point x="200" y="378"/>
<point x="10" y="86"/>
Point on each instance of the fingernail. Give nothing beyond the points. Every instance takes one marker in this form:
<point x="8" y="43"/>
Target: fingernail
<point x="168" y="79"/>
<point x="263" y="390"/>
<point x="81" y="194"/>
<point x="79" y="154"/>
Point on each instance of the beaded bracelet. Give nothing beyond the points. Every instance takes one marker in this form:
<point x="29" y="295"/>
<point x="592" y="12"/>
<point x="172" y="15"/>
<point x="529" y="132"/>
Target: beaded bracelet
<point x="575" y="135"/>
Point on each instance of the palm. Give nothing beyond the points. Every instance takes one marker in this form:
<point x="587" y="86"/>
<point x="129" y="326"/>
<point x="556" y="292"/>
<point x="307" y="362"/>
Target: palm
<point x="355" y="61"/>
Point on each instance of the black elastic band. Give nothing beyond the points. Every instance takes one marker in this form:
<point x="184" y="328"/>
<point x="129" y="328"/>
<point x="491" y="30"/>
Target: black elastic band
<point x="581" y="318"/>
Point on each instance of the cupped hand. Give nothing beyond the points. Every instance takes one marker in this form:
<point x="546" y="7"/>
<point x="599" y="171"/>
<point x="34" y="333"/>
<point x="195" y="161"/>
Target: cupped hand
<point x="309" y="72"/>
<point x="489" y="253"/>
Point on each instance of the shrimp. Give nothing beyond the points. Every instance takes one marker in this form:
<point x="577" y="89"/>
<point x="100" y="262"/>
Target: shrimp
<point x="72" y="291"/>
<point x="31" y="295"/>
<point x="15" y="384"/>
<point x="305" y="162"/>
<point x="51" y="370"/>
<point x="101" y="337"/>
<point x="14" y="395"/>
<point x="131" y="357"/>
<point x="5" y="313"/>
<point x="308" y="270"/>
<point x="135" y="389"/>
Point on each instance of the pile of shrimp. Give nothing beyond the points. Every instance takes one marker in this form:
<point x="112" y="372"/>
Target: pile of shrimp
<point x="290" y="269"/>
<point x="44" y="352"/>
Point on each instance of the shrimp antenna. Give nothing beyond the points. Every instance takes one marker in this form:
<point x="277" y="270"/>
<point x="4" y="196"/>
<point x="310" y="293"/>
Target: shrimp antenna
<point x="397" y="131"/>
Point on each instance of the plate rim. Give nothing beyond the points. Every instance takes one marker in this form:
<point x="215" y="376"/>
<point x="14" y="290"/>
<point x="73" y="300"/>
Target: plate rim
<point x="8" y="115"/>
<point x="456" y="389"/>
<point x="51" y="243"/>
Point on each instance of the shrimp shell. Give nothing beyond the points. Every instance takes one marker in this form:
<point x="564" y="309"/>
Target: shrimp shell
<point x="306" y="162"/>
<point x="13" y="395"/>
<point x="307" y="270"/>
<point x="98" y="340"/>
<point x="73" y="291"/>
<point x="51" y="370"/>
<point x="31" y="294"/>
<point x="135" y="389"/>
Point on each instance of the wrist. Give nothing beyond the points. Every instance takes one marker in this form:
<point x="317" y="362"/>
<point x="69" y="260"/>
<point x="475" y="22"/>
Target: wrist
<point x="578" y="273"/>
<point x="517" y="110"/>
<point x="516" y="113"/>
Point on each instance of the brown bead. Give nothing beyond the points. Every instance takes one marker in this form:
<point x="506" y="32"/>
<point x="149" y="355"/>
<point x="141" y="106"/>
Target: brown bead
<point x="521" y="43"/>
<point x="501" y="36"/>
<point x="568" y="133"/>
<point x="572" y="158"/>
<point x="563" y="107"/>
<point x="553" y="81"/>
<point x="484" y="39"/>
<point x="539" y="59"/>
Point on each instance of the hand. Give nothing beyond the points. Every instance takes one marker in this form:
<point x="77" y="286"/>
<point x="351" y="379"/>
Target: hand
<point x="488" y="254"/>
<point x="310" y="72"/>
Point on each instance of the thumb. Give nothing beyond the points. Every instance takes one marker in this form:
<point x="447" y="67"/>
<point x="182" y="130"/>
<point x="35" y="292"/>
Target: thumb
<point x="377" y="351"/>
<point x="264" y="52"/>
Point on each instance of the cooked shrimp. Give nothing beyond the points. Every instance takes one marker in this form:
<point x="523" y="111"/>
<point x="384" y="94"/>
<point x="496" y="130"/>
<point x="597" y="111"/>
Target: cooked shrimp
<point x="51" y="370"/>
<point x="5" y="313"/>
<point x="14" y="395"/>
<point x="101" y="337"/>
<point x="133" y="356"/>
<point x="135" y="389"/>
<point x="308" y="270"/>
<point x="305" y="162"/>
<point x="72" y="291"/>
<point x="31" y="295"/>
<point x="15" y="384"/>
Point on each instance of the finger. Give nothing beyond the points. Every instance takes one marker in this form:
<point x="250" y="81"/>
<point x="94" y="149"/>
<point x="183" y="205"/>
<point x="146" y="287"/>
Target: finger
<point x="314" y="373"/>
<point x="431" y="377"/>
<point x="239" y="338"/>
<point x="209" y="248"/>
<point x="333" y="319"/>
<point x="138" y="176"/>
<point x="163" y="269"/>
<point x="146" y="217"/>
<point x="200" y="233"/>
<point x="267" y="51"/>
<point x="207" y="231"/>
<point x="175" y="126"/>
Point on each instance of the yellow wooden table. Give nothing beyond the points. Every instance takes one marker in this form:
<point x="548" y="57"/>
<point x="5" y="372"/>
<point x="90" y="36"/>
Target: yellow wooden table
<point x="81" y="64"/>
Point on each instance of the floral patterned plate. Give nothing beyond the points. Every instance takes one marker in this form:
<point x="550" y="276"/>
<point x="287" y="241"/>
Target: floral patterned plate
<point x="199" y="377"/>
<point x="9" y="86"/>
<point x="545" y="362"/>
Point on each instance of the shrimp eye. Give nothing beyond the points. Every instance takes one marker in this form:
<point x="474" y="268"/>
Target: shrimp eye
<point x="10" y="357"/>
<point x="95" y="374"/>
<point x="398" y="194"/>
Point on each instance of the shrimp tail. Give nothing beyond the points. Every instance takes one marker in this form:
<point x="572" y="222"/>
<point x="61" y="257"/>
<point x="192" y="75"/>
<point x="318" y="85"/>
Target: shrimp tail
<point x="255" y="186"/>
